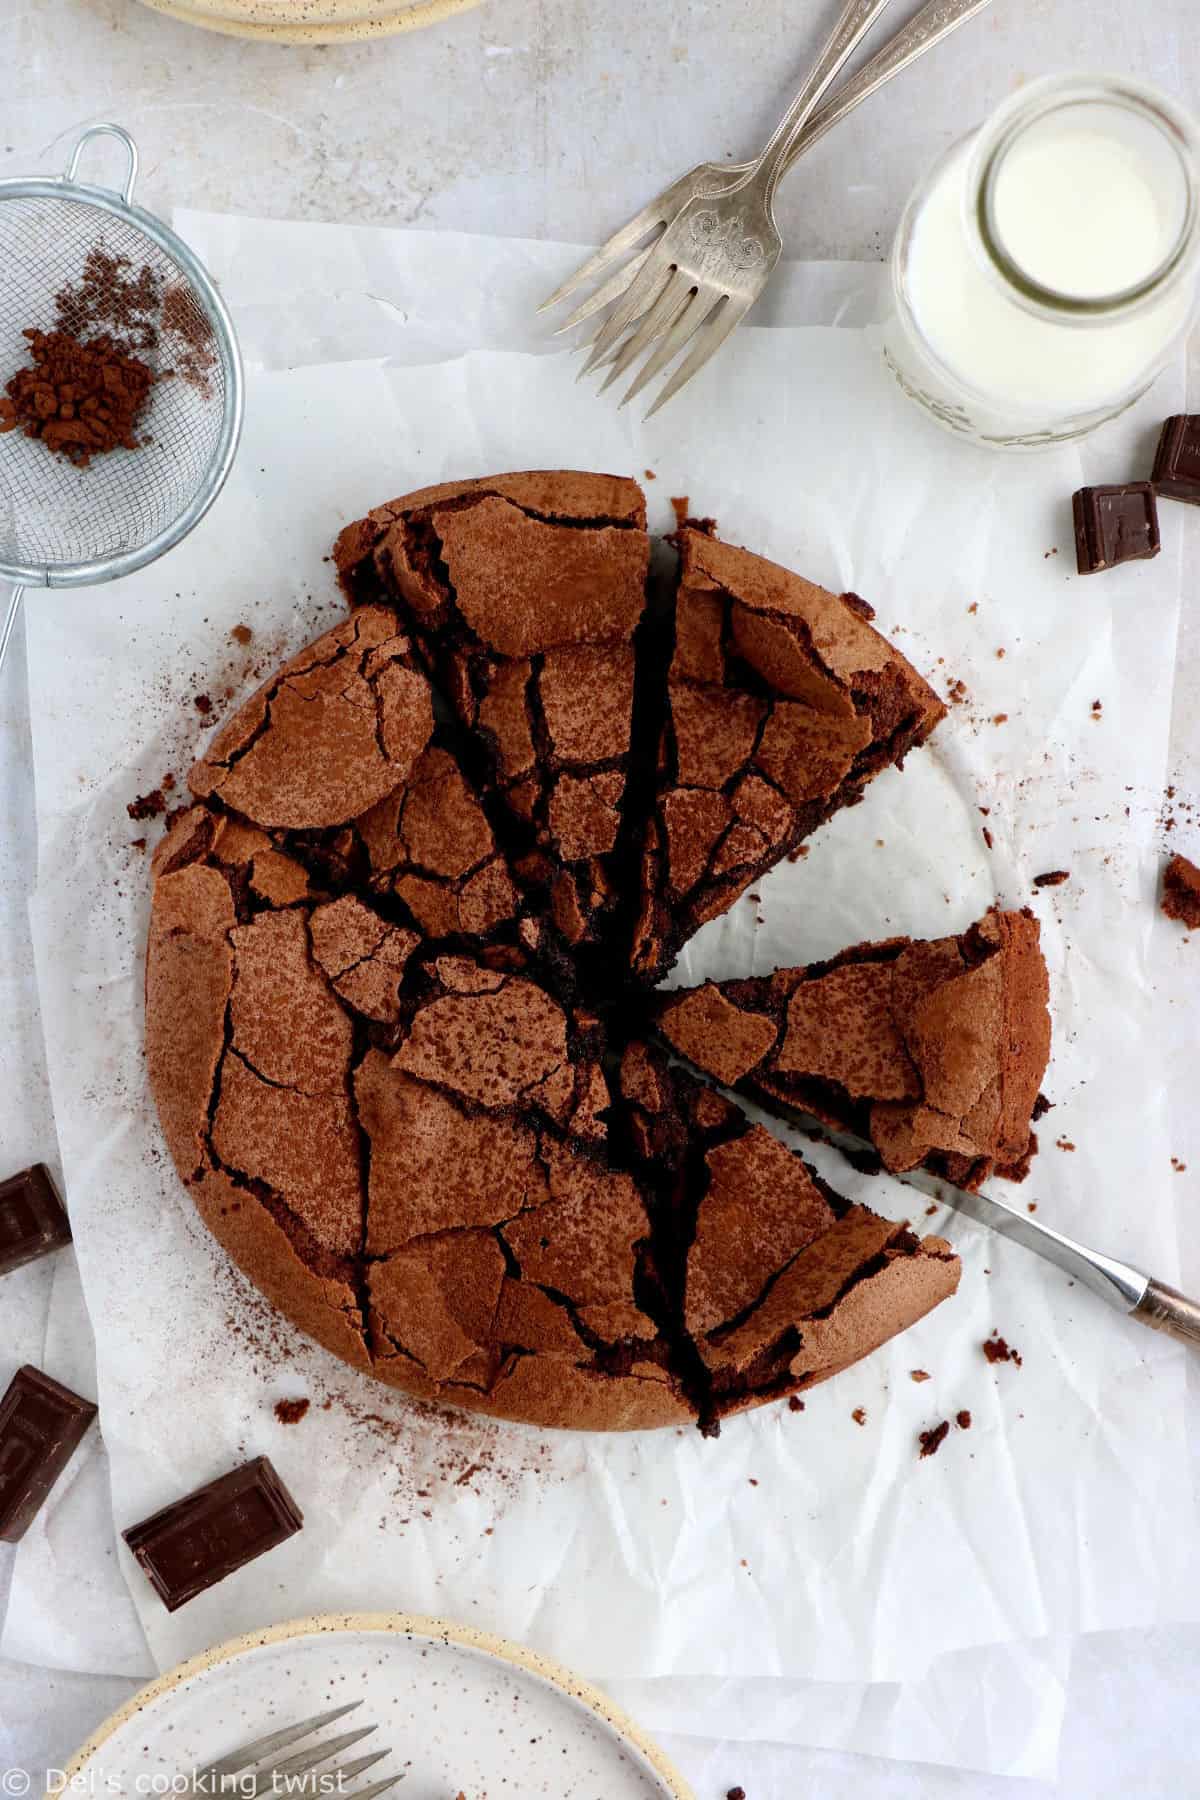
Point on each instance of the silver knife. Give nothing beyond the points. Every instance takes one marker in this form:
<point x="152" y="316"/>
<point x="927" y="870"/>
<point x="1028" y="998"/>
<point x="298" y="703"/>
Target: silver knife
<point x="1127" y="1289"/>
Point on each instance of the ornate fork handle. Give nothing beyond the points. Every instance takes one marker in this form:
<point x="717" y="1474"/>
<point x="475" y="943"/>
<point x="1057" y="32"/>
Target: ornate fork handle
<point x="857" y="18"/>
<point x="935" y="21"/>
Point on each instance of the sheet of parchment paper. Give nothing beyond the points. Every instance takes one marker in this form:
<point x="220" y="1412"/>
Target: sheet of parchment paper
<point x="1066" y="1506"/>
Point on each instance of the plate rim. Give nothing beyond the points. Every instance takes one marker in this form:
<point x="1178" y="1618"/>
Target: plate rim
<point x="395" y="1624"/>
<point x="414" y="15"/>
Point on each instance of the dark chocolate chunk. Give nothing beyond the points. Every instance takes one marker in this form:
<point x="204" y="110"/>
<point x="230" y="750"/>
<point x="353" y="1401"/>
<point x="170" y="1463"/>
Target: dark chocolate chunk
<point x="32" y="1220"/>
<point x="41" y="1425"/>
<point x="1177" y="461"/>
<point x="197" y="1541"/>
<point x="1115" y="525"/>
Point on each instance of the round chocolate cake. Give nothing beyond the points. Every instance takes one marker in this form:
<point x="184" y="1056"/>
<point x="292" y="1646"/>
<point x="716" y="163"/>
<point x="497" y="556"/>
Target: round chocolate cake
<point x="400" y="1018"/>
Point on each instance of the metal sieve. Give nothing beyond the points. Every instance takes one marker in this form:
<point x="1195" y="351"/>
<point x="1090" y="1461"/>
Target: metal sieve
<point x="66" y="526"/>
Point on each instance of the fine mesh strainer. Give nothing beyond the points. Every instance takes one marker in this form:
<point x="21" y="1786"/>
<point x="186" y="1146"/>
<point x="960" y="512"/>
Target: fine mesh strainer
<point x="65" y="526"/>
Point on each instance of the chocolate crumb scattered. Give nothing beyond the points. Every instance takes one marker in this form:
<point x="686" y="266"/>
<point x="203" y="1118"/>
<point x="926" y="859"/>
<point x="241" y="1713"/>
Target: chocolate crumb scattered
<point x="137" y="843"/>
<point x="1180" y="1168"/>
<point x="649" y="474"/>
<point x="974" y="607"/>
<point x="1032" y="1207"/>
<point x="795" y="1403"/>
<point x="1181" y="892"/>
<point x="932" y="1440"/>
<point x="738" y="1793"/>
<point x="963" y="1420"/>
<point x="147" y="806"/>
<point x="988" y="839"/>
<point x="999" y="718"/>
<point x="859" y="1415"/>
<point x="290" y="1412"/>
<point x="997" y="1351"/>
<point x="203" y="704"/>
<point x="957" y="693"/>
<point x="1052" y="878"/>
<point x="1063" y="1143"/>
<point x="168" y="783"/>
<point x="919" y="1375"/>
<point x="241" y="634"/>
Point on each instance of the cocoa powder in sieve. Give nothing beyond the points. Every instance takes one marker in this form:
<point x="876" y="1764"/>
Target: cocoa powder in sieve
<point x="79" y="399"/>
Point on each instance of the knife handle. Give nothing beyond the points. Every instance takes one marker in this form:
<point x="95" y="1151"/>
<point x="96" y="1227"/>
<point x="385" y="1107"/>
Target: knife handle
<point x="1162" y="1309"/>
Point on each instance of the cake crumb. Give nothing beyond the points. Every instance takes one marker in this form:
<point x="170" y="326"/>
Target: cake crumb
<point x="147" y="806"/>
<point x="1181" y="892"/>
<point x="738" y="1793"/>
<point x="988" y="839"/>
<point x="999" y="718"/>
<point x="974" y="607"/>
<point x="963" y="1420"/>
<point x="1001" y="654"/>
<point x="859" y="1415"/>
<point x="137" y="843"/>
<point x="932" y="1440"/>
<point x="290" y="1412"/>
<point x="202" y="704"/>
<point x="1052" y="878"/>
<point x="1180" y="1168"/>
<point x="1063" y="1143"/>
<point x="957" y="693"/>
<point x="997" y="1351"/>
<point x="1032" y="1206"/>
<point x="795" y="1403"/>
<point x="649" y="474"/>
<point x="919" y="1375"/>
<point x="931" y="1209"/>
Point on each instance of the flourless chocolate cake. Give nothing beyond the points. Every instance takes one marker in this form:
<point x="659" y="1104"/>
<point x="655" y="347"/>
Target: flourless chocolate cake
<point x="933" y="1051"/>
<point x="393" y="1020"/>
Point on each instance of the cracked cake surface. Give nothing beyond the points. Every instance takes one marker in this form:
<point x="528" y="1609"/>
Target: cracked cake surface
<point x="782" y="702"/>
<point x="934" y="1052"/>
<point x="418" y="1117"/>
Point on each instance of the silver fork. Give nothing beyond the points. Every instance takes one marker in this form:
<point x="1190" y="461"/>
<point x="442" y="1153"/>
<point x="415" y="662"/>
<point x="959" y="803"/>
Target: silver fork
<point x="291" y="1775"/>
<point x="649" y="307"/>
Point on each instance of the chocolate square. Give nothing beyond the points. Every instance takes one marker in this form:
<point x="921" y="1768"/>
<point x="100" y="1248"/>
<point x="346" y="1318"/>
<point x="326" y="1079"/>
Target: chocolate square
<point x="32" y="1220"/>
<point x="195" y="1542"/>
<point x="1115" y="525"/>
<point x="1177" y="461"/>
<point x="41" y="1425"/>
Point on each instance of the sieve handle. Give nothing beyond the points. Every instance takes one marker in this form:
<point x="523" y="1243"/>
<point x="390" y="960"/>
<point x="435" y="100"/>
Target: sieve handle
<point x="131" y="155"/>
<point x="14" y="607"/>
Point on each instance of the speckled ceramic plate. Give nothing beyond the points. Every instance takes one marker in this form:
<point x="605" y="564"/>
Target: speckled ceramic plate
<point x="311" y="21"/>
<point x="462" y="1712"/>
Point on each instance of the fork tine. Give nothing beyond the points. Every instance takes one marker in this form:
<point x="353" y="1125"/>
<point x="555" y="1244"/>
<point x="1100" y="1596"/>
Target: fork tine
<point x="306" y="1760"/>
<point x="612" y="290"/>
<point x="723" y="319"/>
<point x="687" y="322"/>
<point x="351" y="1770"/>
<point x="641" y="295"/>
<point x="275" y="1740"/>
<point x="619" y="244"/>
<point x="660" y="318"/>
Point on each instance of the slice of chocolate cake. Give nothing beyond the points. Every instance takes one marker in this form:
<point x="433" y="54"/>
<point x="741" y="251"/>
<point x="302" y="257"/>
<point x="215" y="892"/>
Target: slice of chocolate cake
<point x="932" y="1051"/>
<point x="769" y="1282"/>
<point x="782" y="703"/>
<point x="525" y="592"/>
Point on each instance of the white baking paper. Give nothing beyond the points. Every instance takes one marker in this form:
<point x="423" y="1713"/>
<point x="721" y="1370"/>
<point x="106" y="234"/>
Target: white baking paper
<point x="1066" y="1505"/>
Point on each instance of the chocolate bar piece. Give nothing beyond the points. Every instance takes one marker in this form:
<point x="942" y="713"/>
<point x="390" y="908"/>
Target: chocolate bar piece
<point x="1177" y="460"/>
<point x="41" y="1425"/>
<point x="199" y="1540"/>
<point x="32" y="1220"/>
<point x="1115" y="525"/>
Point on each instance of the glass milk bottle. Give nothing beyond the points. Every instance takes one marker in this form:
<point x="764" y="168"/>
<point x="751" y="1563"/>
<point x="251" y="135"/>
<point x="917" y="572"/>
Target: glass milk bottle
<point x="1045" y="271"/>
